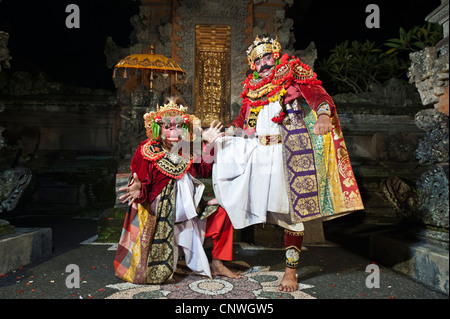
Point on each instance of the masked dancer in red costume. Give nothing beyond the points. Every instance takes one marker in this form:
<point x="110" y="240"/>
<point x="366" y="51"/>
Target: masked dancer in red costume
<point x="292" y="166"/>
<point x="163" y="214"/>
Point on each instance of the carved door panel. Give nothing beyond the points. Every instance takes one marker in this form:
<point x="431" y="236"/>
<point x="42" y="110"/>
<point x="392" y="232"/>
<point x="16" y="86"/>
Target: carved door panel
<point x="212" y="73"/>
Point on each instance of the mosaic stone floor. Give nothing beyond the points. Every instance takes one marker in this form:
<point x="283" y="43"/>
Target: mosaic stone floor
<point x="257" y="283"/>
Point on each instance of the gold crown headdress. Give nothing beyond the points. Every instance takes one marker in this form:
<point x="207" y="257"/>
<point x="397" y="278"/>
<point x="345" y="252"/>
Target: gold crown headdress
<point x="262" y="46"/>
<point x="172" y="108"/>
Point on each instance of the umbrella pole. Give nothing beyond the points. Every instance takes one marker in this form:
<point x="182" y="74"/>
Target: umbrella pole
<point x="151" y="81"/>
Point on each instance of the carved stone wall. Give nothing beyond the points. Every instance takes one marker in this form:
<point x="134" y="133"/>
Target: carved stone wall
<point x="66" y="136"/>
<point x="212" y="12"/>
<point x="170" y="26"/>
<point x="430" y="67"/>
<point x="427" y="201"/>
<point x="429" y="72"/>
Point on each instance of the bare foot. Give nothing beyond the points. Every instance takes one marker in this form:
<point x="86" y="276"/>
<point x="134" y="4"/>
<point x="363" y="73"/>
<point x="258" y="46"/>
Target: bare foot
<point x="212" y="202"/>
<point x="219" y="269"/>
<point x="289" y="282"/>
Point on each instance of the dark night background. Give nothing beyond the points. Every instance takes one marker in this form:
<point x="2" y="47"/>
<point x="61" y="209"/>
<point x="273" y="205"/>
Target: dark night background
<point x="87" y="137"/>
<point x="40" y="42"/>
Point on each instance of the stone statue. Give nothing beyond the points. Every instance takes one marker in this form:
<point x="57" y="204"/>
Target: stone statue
<point x="15" y="180"/>
<point x="427" y="202"/>
<point x="12" y="184"/>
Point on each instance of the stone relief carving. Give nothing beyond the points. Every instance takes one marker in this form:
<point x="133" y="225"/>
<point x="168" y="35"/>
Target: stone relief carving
<point x="12" y="184"/>
<point x="434" y="197"/>
<point x="307" y="55"/>
<point x="429" y="71"/>
<point x="434" y="147"/>
<point x="284" y="26"/>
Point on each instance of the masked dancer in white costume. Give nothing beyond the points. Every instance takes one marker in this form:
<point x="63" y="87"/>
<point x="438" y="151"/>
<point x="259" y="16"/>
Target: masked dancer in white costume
<point x="284" y="159"/>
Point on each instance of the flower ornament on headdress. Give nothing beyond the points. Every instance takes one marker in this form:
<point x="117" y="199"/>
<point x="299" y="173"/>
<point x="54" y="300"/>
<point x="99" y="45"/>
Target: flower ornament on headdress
<point x="172" y="108"/>
<point x="157" y="119"/>
<point x="262" y="46"/>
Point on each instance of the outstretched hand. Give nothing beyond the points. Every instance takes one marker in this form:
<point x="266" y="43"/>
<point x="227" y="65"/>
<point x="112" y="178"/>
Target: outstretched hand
<point x="213" y="133"/>
<point x="323" y="125"/>
<point x="132" y="191"/>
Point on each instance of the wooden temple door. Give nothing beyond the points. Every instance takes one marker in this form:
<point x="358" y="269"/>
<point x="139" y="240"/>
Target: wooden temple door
<point x="212" y="73"/>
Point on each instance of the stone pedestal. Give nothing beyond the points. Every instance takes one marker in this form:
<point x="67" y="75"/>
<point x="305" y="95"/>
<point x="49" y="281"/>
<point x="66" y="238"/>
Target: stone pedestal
<point x="24" y="246"/>
<point x="420" y="260"/>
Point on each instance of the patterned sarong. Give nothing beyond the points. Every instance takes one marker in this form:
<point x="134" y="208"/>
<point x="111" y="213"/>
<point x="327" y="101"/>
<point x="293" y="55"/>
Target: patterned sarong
<point x="146" y="247"/>
<point x="318" y="170"/>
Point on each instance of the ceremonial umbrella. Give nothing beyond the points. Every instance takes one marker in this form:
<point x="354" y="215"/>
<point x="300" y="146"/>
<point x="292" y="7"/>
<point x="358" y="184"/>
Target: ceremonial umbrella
<point x="150" y="62"/>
